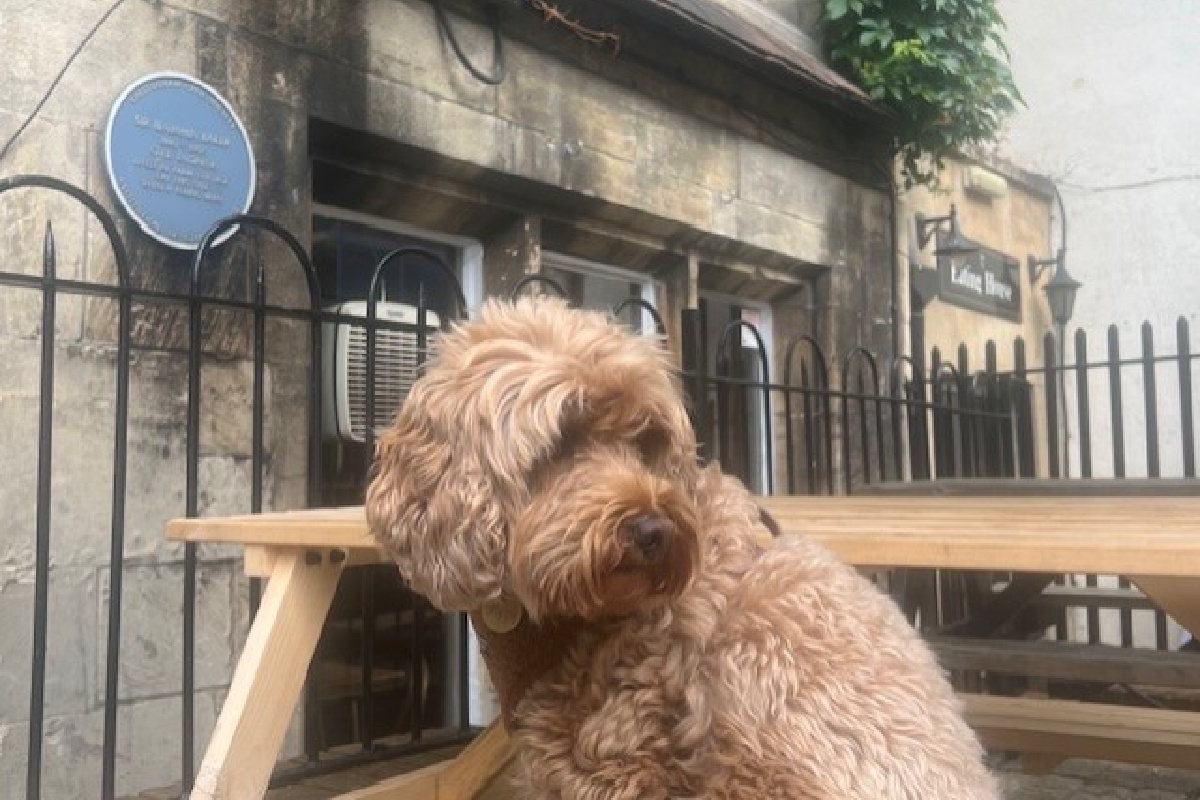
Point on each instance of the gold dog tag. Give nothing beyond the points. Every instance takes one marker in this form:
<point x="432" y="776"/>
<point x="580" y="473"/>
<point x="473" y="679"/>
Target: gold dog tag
<point x="502" y="614"/>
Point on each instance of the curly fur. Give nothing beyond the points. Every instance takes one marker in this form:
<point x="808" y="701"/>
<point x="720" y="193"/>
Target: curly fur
<point x="717" y="669"/>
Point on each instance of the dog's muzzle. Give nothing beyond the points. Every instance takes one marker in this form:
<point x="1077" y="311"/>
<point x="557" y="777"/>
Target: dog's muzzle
<point x="650" y="536"/>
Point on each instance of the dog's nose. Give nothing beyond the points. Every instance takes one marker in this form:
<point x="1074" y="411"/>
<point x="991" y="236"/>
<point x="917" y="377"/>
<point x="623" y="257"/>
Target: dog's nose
<point x="651" y="534"/>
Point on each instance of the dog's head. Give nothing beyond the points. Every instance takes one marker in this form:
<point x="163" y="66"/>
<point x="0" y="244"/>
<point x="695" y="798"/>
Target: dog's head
<point x="545" y="453"/>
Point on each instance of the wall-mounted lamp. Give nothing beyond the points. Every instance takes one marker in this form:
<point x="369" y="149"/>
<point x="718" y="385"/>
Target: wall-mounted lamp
<point x="1037" y="266"/>
<point x="1060" y="290"/>
<point x="954" y="245"/>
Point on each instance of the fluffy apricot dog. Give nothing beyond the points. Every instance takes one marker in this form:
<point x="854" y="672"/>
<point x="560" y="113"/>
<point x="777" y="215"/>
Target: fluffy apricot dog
<point x="545" y="464"/>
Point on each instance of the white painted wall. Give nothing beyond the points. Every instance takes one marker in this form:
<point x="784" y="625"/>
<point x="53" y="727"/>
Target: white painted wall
<point x="1113" y="118"/>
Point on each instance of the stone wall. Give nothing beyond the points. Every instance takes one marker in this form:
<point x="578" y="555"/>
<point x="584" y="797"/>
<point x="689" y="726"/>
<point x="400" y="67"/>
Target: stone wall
<point x="574" y="137"/>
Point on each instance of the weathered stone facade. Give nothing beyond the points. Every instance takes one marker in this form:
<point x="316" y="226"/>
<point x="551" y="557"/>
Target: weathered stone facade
<point x="658" y="157"/>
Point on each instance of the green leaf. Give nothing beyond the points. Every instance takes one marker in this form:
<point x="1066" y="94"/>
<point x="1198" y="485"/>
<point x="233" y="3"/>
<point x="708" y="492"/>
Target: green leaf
<point x="836" y="9"/>
<point x="942" y="65"/>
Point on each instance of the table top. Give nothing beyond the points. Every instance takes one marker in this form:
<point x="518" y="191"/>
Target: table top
<point x="1151" y="536"/>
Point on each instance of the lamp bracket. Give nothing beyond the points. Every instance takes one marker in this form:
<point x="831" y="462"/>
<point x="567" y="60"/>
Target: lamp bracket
<point x="1037" y="266"/>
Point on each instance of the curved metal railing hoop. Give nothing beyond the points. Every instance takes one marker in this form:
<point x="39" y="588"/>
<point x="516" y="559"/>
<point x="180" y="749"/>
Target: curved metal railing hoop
<point x="896" y="376"/>
<point x="637" y="302"/>
<point x="541" y="280"/>
<point x="863" y="353"/>
<point x="208" y="243"/>
<point x="793" y="344"/>
<point x="120" y="256"/>
<point x="428" y="255"/>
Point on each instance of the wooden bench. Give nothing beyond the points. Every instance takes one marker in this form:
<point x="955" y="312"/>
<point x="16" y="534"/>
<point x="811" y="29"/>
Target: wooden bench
<point x="1154" y="541"/>
<point x="1047" y="731"/>
<point x="1067" y="661"/>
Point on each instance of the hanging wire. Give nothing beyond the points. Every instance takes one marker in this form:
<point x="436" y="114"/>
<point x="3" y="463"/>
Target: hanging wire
<point x="58" y="78"/>
<point x="499" y="67"/>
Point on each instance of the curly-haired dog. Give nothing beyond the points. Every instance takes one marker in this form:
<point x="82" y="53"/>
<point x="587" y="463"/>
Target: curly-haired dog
<point x="546" y="459"/>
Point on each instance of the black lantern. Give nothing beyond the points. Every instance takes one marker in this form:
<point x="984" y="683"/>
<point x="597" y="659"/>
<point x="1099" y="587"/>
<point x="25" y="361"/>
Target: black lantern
<point x="955" y="244"/>
<point x="1060" y="292"/>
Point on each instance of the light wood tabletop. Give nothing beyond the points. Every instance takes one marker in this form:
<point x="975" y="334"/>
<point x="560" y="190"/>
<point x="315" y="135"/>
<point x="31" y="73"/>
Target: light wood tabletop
<point x="1154" y="536"/>
<point x="1154" y="541"/>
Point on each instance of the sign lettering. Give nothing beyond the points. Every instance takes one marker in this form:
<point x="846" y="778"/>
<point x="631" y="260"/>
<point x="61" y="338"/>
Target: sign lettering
<point x="987" y="281"/>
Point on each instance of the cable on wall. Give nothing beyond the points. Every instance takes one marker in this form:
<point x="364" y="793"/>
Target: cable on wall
<point x="499" y="68"/>
<point x="58" y="78"/>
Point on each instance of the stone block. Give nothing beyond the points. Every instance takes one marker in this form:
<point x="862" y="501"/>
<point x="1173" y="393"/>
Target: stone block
<point x="287" y="427"/>
<point x="534" y="155"/>
<point x="82" y="465"/>
<point x="152" y="623"/>
<point x="25" y="216"/>
<point x="109" y="63"/>
<point x="665" y="196"/>
<point x="225" y="485"/>
<point x="226" y="403"/>
<point x="71" y="643"/>
<point x="601" y="117"/>
<point x="425" y="120"/>
<point x="534" y="93"/>
<point x="687" y="149"/>
<point x="149" y="740"/>
<point x="41" y="36"/>
<point x="797" y="237"/>
<point x="404" y="43"/>
<point x="788" y="185"/>
<point x="149" y="737"/>
<point x="262" y="69"/>
<point x="71" y="756"/>
<point x="156" y="466"/>
<point x="594" y="173"/>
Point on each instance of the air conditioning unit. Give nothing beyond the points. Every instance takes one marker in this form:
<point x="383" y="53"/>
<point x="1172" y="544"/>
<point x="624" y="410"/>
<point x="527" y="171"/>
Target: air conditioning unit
<point x="344" y="378"/>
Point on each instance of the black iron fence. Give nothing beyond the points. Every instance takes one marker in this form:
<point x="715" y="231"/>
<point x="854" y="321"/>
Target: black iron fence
<point x="399" y="669"/>
<point x="259" y="327"/>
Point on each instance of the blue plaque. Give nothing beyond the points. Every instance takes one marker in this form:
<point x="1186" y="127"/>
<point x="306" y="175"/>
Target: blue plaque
<point x="178" y="158"/>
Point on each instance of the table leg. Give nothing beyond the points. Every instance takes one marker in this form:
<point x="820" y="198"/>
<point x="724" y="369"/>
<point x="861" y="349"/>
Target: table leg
<point x="269" y="676"/>
<point x="1179" y="597"/>
<point x="461" y="778"/>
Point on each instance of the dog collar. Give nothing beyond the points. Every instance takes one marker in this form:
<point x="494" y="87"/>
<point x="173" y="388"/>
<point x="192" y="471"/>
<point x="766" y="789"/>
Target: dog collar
<point x="519" y="656"/>
<point x="519" y="652"/>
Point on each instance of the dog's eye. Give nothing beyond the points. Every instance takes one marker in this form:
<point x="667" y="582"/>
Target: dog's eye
<point x="653" y="443"/>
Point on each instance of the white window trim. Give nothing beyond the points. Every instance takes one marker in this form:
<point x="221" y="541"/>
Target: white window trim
<point x="470" y="250"/>
<point x="482" y="704"/>
<point x="574" y="264"/>
<point x="767" y="331"/>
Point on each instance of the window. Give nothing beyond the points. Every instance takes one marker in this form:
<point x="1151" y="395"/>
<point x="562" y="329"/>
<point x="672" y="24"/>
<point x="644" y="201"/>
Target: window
<point x="347" y="247"/>
<point x="599" y="287"/>
<point x="414" y="650"/>
<point x="737" y="412"/>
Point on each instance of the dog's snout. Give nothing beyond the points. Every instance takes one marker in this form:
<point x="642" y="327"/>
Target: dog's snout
<point x="651" y="535"/>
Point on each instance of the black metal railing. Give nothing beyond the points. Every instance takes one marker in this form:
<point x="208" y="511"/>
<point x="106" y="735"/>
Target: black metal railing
<point x="848" y="424"/>
<point x="199" y="308"/>
<point x="823" y="426"/>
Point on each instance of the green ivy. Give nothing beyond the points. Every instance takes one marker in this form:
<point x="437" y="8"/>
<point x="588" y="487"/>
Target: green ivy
<point x="941" y="65"/>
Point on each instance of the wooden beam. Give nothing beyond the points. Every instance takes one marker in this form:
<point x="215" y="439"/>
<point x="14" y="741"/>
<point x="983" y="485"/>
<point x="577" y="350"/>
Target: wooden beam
<point x="462" y="778"/>
<point x="1178" y="597"/>
<point x="1071" y="729"/>
<point x="419" y="784"/>
<point x="1149" y="536"/>
<point x="1067" y="661"/>
<point x="476" y="766"/>
<point x="269" y="678"/>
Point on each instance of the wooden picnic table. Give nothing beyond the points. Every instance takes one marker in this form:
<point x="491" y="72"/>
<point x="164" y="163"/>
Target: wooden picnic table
<point x="1152" y="540"/>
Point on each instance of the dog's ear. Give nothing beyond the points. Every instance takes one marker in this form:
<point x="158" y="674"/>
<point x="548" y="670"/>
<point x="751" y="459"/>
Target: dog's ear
<point x="430" y="505"/>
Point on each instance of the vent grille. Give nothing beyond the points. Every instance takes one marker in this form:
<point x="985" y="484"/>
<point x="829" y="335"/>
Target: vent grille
<point x="397" y="366"/>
